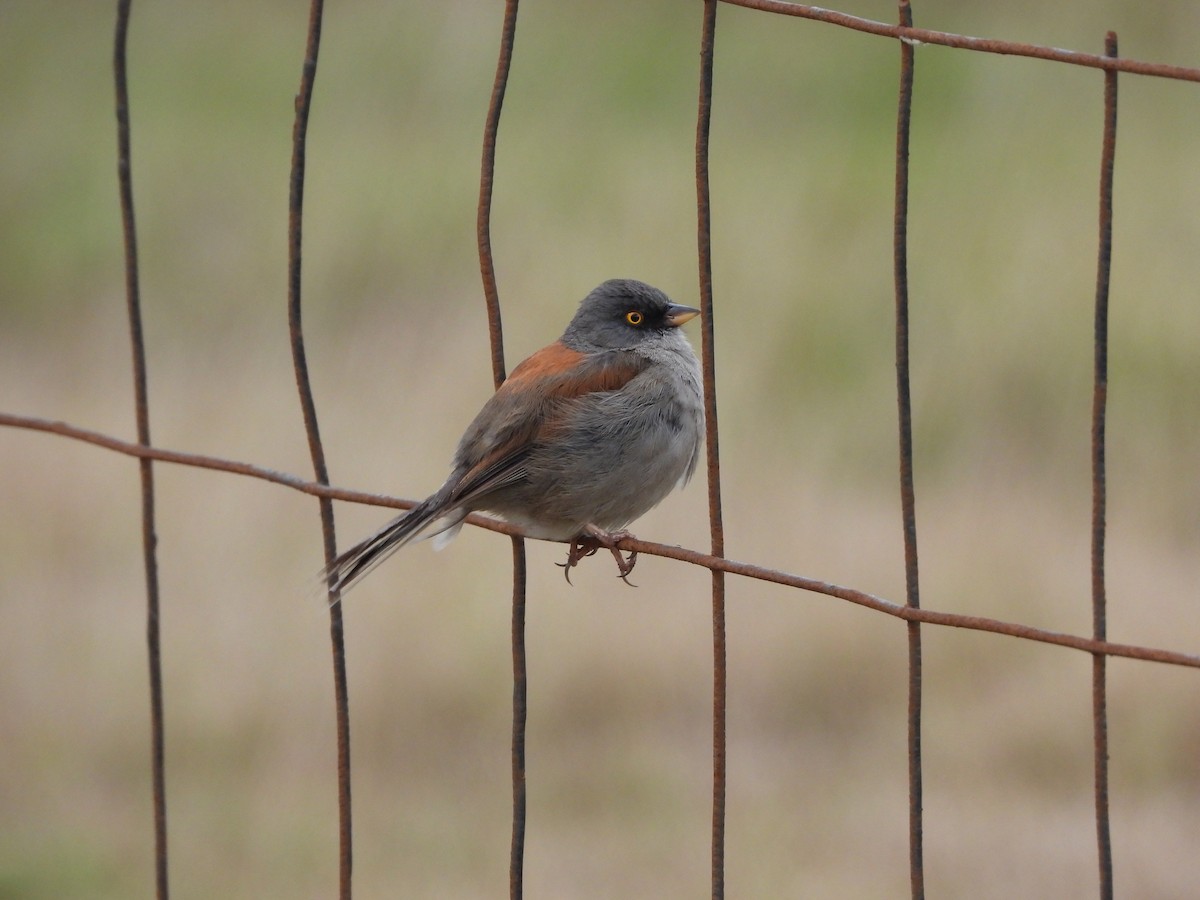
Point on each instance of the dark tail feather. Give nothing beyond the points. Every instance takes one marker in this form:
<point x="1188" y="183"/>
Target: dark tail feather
<point x="422" y="521"/>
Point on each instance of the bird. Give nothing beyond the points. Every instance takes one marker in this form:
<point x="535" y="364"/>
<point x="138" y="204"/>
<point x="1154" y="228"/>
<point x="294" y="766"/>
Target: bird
<point x="583" y="437"/>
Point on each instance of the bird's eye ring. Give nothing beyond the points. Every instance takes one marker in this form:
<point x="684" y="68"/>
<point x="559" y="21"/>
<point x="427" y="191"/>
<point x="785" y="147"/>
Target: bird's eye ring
<point x="633" y="317"/>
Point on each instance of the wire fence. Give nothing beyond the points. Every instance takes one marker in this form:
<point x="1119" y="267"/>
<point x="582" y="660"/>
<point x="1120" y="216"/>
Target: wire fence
<point x="715" y="560"/>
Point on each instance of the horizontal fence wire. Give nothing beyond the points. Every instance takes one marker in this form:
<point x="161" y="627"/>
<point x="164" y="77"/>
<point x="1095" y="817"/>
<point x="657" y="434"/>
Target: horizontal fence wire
<point x="910" y="611"/>
<point x="965" y="42"/>
<point x="642" y="547"/>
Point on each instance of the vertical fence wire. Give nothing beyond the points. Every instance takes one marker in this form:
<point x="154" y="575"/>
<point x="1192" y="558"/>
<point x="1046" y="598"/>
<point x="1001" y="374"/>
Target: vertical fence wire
<point x="487" y="269"/>
<point x="516" y="852"/>
<point x="907" y="494"/>
<point x="316" y="449"/>
<point x="716" y="524"/>
<point x="1099" y="491"/>
<point x="483" y="218"/>
<point x="142" y="412"/>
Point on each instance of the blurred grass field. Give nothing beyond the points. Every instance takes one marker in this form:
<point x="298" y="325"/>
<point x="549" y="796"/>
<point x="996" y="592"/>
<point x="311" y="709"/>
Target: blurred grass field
<point x="595" y="179"/>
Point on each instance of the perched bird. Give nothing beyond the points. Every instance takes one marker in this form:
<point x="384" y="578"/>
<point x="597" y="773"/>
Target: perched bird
<point x="585" y="436"/>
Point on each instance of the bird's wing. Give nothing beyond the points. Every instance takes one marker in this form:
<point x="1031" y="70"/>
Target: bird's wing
<point x="528" y="408"/>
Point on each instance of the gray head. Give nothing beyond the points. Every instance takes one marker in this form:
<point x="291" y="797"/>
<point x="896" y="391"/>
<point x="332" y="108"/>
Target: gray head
<point x="621" y="314"/>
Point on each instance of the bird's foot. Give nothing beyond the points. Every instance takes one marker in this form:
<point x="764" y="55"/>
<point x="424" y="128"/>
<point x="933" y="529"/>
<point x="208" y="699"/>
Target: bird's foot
<point x="593" y="539"/>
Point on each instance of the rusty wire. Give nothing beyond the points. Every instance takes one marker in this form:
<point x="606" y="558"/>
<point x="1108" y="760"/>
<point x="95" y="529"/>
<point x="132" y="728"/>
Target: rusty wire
<point x="966" y="42"/>
<point x="308" y="409"/>
<point x="646" y="548"/>
<point x="141" y="396"/>
<point x="713" y="458"/>
<point x="487" y="271"/>
<point x="1099" y="405"/>
<point x="910" y="611"/>
<point x="908" y="503"/>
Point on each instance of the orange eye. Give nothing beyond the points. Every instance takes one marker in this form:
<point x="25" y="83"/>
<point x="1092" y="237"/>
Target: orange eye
<point x="633" y="317"/>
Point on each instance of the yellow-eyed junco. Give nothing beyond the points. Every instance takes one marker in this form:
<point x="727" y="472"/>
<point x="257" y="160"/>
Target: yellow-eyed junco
<point x="585" y="436"/>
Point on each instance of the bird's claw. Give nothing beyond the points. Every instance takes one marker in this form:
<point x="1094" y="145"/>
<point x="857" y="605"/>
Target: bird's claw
<point x="580" y="549"/>
<point x="592" y="539"/>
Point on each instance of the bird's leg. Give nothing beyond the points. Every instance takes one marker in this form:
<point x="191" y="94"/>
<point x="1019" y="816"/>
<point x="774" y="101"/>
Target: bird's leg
<point x="592" y="539"/>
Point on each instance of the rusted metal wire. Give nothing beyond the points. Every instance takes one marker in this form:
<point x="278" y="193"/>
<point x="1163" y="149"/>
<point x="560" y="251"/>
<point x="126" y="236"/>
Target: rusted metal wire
<point x="908" y="509"/>
<point x="316" y="449"/>
<point x="715" y="520"/>
<point x="1099" y="491"/>
<point x="487" y="270"/>
<point x="516" y="852"/>
<point x="966" y="42"/>
<point x="646" y="548"/>
<point x="145" y="464"/>
<point x="483" y="218"/>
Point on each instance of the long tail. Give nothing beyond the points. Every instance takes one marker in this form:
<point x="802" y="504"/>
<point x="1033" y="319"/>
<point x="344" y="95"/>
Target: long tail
<point x="422" y="521"/>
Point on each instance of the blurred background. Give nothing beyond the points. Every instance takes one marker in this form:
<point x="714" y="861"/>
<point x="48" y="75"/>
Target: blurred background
<point x="594" y="180"/>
